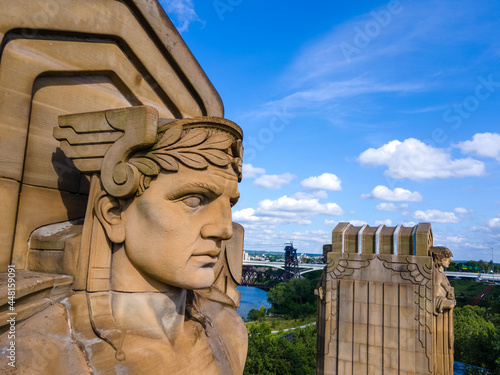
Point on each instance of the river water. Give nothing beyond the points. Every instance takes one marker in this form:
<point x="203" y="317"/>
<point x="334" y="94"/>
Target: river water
<point x="251" y="298"/>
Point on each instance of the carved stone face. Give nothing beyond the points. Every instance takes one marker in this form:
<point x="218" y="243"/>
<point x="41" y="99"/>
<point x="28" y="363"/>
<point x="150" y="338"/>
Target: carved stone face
<point x="445" y="262"/>
<point x="174" y="230"/>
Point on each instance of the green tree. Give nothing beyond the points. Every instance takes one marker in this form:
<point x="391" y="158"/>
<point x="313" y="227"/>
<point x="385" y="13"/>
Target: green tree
<point x="455" y="267"/>
<point x="262" y="310"/>
<point x="294" y="299"/>
<point x="482" y="266"/>
<point x="471" y="265"/>
<point x="475" y="337"/>
<point x="261" y="344"/>
<point x="255" y="314"/>
<point x="300" y="353"/>
<point x="272" y="354"/>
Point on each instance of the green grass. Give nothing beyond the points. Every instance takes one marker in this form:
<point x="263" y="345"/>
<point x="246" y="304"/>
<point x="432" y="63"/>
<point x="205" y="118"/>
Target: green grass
<point x="492" y="298"/>
<point x="276" y="323"/>
<point x="466" y="291"/>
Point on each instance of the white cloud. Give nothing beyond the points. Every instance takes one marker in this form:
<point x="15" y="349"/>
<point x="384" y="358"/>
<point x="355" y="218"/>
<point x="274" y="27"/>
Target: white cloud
<point x="320" y="194"/>
<point x="402" y="33"/>
<point x="436" y="216"/>
<point x="181" y="11"/>
<point x="285" y="210"/>
<point x="326" y="181"/>
<point x="386" y="222"/>
<point x="358" y="223"/>
<point x="321" y="236"/>
<point x="249" y="171"/>
<point x="480" y="228"/>
<point x="408" y="224"/>
<point x="331" y="223"/>
<point x="455" y="239"/>
<point x="476" y="245"/>
<point x="415" y="160"/>
<point x="482" y="144"/>
<point x="309" y="241"/>
<point x="326" y="92"/>
<point x="494" y="223"/>
<point x="315" y="194"/>
<point x="323" y="76"/>
<point x="305" y="206"/>
<point x="244" y="216"/>
<point x="273" y="181"/>
<point x="391" y="207"/>
<point x="252" y="219"/>
<point x="383" y="193"/>
<point x="462" y="210"/>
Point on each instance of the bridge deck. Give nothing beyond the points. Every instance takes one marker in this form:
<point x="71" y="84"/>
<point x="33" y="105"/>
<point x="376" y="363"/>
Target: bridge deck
<point x="308" y="267"/>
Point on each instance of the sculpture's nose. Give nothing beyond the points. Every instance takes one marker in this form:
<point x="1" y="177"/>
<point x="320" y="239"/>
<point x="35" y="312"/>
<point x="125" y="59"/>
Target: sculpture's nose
<point x="220" y="230"/>
<point x="220" y="224"/>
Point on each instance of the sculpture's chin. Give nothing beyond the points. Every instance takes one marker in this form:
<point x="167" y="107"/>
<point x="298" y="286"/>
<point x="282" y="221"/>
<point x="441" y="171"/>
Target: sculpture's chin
<point x="201" y="279"/>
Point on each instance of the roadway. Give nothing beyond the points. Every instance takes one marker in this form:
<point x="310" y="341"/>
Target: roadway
<point x="474" y="276"/>
<point x="304" y="267"/>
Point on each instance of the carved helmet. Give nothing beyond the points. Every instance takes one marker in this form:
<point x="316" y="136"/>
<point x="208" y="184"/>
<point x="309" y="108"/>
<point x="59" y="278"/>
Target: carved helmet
<point x="123" y="150"/>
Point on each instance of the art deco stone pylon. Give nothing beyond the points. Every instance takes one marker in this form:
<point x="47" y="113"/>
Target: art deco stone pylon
<point x="376" y="304"/>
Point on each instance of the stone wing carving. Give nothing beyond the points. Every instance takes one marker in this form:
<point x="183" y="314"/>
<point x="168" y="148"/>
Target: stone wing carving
<point x="345" y="265"/>
<point x="104" y="141"/>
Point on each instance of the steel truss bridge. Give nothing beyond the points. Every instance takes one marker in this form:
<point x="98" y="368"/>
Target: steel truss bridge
<point x="254" y="275"/>
<point x="304" y="267"/>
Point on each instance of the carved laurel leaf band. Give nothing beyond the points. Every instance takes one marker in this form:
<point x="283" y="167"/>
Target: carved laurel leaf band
<point x="130" y="146"/>
<point x="195" y="148"/>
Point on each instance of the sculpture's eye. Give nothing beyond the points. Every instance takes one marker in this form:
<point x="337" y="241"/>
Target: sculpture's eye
<point x="194" y="201"/>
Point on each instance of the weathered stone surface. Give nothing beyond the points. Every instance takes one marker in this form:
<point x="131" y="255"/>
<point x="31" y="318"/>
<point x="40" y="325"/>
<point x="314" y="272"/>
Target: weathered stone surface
<point x="9" y="195"/>
<point x="106" y="117"/>
<point x="33" y="292"/>
<point x="114" y="54"/>
<point x="39" y="206"/>
<point x="376" y="302"/>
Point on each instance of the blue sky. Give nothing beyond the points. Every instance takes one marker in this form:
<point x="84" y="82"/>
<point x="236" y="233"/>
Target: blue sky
<point x="372" y="112"/>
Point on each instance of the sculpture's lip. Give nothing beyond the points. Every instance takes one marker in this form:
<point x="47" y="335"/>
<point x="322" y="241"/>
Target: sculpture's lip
<point x="208" y="258"/>
<point x="213" y="253"/>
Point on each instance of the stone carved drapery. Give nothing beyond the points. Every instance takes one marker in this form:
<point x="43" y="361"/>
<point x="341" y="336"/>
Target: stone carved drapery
<point x="444" y="302"/>
<point x="376" y="303"/>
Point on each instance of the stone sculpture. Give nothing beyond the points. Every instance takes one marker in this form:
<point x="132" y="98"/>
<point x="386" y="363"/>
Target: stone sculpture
<point x="444" y="302"/>
<point x="378" y="311"/>
<point x="118" y="173"/>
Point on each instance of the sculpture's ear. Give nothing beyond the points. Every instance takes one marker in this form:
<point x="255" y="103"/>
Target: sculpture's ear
<point x="108" y="210"/>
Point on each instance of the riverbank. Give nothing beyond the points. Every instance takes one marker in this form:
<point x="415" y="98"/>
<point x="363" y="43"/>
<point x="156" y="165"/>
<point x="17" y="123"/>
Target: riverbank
<point x="276" y="324"/>
<point x="251" y="298"/>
